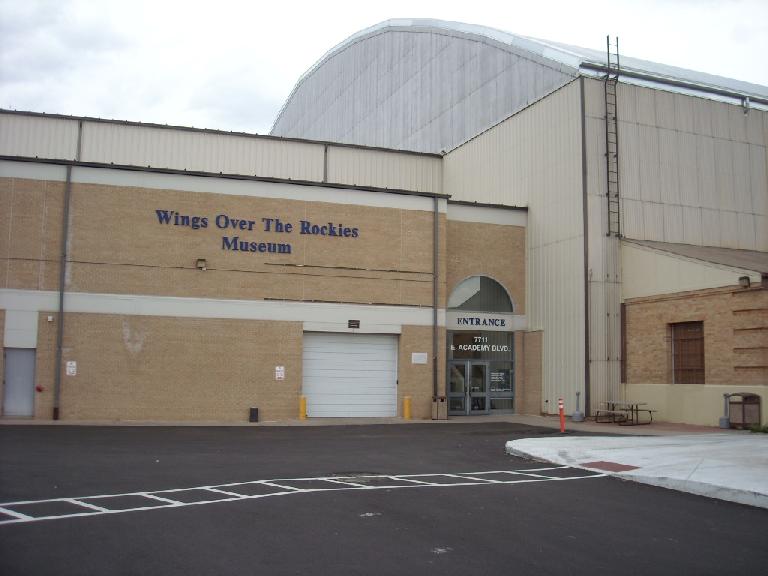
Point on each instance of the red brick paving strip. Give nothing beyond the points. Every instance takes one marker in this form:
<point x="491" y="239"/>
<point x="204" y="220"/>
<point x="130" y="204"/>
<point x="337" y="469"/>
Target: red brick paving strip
<point x="609" y="466"/>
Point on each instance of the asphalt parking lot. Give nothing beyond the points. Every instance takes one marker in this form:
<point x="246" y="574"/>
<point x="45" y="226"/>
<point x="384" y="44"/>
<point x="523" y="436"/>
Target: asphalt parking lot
<point x="378" y="499"/>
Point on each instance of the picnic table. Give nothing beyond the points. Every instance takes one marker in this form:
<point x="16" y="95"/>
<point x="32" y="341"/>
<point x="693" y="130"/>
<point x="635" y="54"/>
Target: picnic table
<point x="623" y="413"/>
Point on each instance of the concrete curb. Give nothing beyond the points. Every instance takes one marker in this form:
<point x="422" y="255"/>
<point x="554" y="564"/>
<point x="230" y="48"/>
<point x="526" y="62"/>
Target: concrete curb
<point x="730" y="468"/>
<point x="739" y="496"/>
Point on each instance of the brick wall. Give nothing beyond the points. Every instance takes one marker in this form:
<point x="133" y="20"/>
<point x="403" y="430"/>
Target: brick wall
<point x="167" y="369"/>
<point x="118" y="246"/>
<point x="735" y="335"/>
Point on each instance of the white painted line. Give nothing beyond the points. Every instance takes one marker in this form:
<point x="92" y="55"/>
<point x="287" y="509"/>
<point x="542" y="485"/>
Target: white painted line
<point x="18" y="515"/>
<point x="411" y="479"/>
<point x="235" y="494"/>
<point x="153" y="497"/>
<point x="87" y="505"/>
<point x="414" y="481"/>
<point x="288" y="489"/>
<point x="490" y="481"/>
<point x="345" y="483"/>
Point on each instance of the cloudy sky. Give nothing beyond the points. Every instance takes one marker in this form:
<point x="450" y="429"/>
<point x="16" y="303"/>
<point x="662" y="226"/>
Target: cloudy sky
<point x="231" y="64"/>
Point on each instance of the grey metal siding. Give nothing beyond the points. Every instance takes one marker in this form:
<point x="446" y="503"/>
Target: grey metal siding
<point x="417" y="90"/>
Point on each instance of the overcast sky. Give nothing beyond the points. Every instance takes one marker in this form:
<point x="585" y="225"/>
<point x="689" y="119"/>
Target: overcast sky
<point x="231" y="64"/>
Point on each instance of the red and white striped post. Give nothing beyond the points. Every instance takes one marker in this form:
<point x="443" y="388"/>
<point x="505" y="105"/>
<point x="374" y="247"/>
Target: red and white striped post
<point x="562" y="414"/>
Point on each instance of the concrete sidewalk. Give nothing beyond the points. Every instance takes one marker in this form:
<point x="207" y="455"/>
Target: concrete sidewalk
<point x="728" y="465"/>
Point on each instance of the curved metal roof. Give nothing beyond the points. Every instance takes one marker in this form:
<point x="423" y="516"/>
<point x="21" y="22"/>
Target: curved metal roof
<point x="572" y="60"/>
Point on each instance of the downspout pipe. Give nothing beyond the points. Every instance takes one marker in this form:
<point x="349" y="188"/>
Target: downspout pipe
<point x="585" y="217"/>
<point x="435" y="276"/>
<point x="63" y="276"/>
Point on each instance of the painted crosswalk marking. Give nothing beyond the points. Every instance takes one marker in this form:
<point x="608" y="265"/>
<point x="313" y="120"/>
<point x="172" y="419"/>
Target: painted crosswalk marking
<point x="26" y="511"/>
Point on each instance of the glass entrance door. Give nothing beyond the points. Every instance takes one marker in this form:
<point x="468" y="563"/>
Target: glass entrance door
<point x="468" y="388"/>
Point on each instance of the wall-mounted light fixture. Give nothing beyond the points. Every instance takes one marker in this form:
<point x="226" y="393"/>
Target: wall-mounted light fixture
<point x="202" y="264"/>
<point x="744" y="281"/>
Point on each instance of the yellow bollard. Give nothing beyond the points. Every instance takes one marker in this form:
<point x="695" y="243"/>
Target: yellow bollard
<point x="302" y="407"/>
<point x="406" y="407"/>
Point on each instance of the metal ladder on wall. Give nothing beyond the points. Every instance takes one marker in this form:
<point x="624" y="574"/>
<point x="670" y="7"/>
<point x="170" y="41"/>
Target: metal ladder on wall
<point x="611" y="81"/>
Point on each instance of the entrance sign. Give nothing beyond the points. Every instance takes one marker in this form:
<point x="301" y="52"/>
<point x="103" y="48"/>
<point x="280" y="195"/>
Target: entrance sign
<point x="485" y="321"/>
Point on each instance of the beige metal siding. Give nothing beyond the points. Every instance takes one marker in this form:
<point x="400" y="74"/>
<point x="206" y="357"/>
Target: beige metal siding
<point x="649" y="272"/>
<point x="356" y="166"/>
<point x="201" y="151"/>
<point x="640" y="191"/>
<point x="38" y="137"/>
<point x="693" y="161"/>
<point x="217" y="153"/>
<point x="692" y="171"/>
<point x="534" y="159"/>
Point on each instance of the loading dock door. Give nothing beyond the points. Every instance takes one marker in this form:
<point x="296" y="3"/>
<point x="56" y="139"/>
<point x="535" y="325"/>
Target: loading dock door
<point x="19" y="389"/>
<point x="348" y="375"/>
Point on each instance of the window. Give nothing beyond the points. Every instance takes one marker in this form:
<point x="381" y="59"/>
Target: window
<point x="688" y="352"/>
<point x="480" y="294"/>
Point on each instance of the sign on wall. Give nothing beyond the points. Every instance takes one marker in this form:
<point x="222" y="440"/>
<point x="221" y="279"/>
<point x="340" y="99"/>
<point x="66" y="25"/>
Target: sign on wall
<point x="485" y="321"/>
<point x="263" y="235"/>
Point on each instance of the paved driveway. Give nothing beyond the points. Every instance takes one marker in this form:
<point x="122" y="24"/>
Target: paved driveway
<point x="397" y="499"/>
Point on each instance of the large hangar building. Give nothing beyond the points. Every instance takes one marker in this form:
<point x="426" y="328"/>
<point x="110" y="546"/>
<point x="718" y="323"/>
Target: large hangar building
<point x="442" y="211"/>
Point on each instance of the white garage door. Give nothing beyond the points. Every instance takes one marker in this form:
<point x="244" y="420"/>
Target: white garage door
<point x="350" y="374"/>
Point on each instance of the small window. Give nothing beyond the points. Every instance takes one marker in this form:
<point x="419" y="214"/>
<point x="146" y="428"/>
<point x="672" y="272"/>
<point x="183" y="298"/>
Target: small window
<point x="688" y="352"/>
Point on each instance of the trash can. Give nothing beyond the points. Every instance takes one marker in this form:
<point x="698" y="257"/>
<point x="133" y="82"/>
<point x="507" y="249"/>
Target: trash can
<point x="439" y="408"/>
<point x="744" y="410"/>
<point x="253" y="415"/>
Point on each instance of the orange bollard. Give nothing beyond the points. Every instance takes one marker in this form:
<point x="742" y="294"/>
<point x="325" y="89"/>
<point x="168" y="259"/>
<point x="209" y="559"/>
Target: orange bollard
<point x="562" y="414"/>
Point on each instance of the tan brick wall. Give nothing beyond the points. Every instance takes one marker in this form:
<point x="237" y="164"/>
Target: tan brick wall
<point x="30" y="218"/>
<point x="415" y="380"/>
<point x="45" y="363"/>
<point x="529" y="390"/>
<point x="117" y="246"/>
<point x="735" y="335"/>
<point x="2" y="358"/>
<point x="488" y="250"/>
<point x="166" y="369"/>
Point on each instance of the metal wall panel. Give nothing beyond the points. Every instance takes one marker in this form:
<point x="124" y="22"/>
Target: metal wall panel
<point x="37" y="136"/>
<point x="713" y="162"/>
<point x="758" y="178"/>
<point x="198" y="151"/>
<point x="426" y="90"/>
<point x="737" y="124"/>
<point x="354" y="166"/>
<point x="533" y="159"/>
<point x="665" y="109"/>
<point x="201" y="151"/>
<point x="669" y="177"/>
